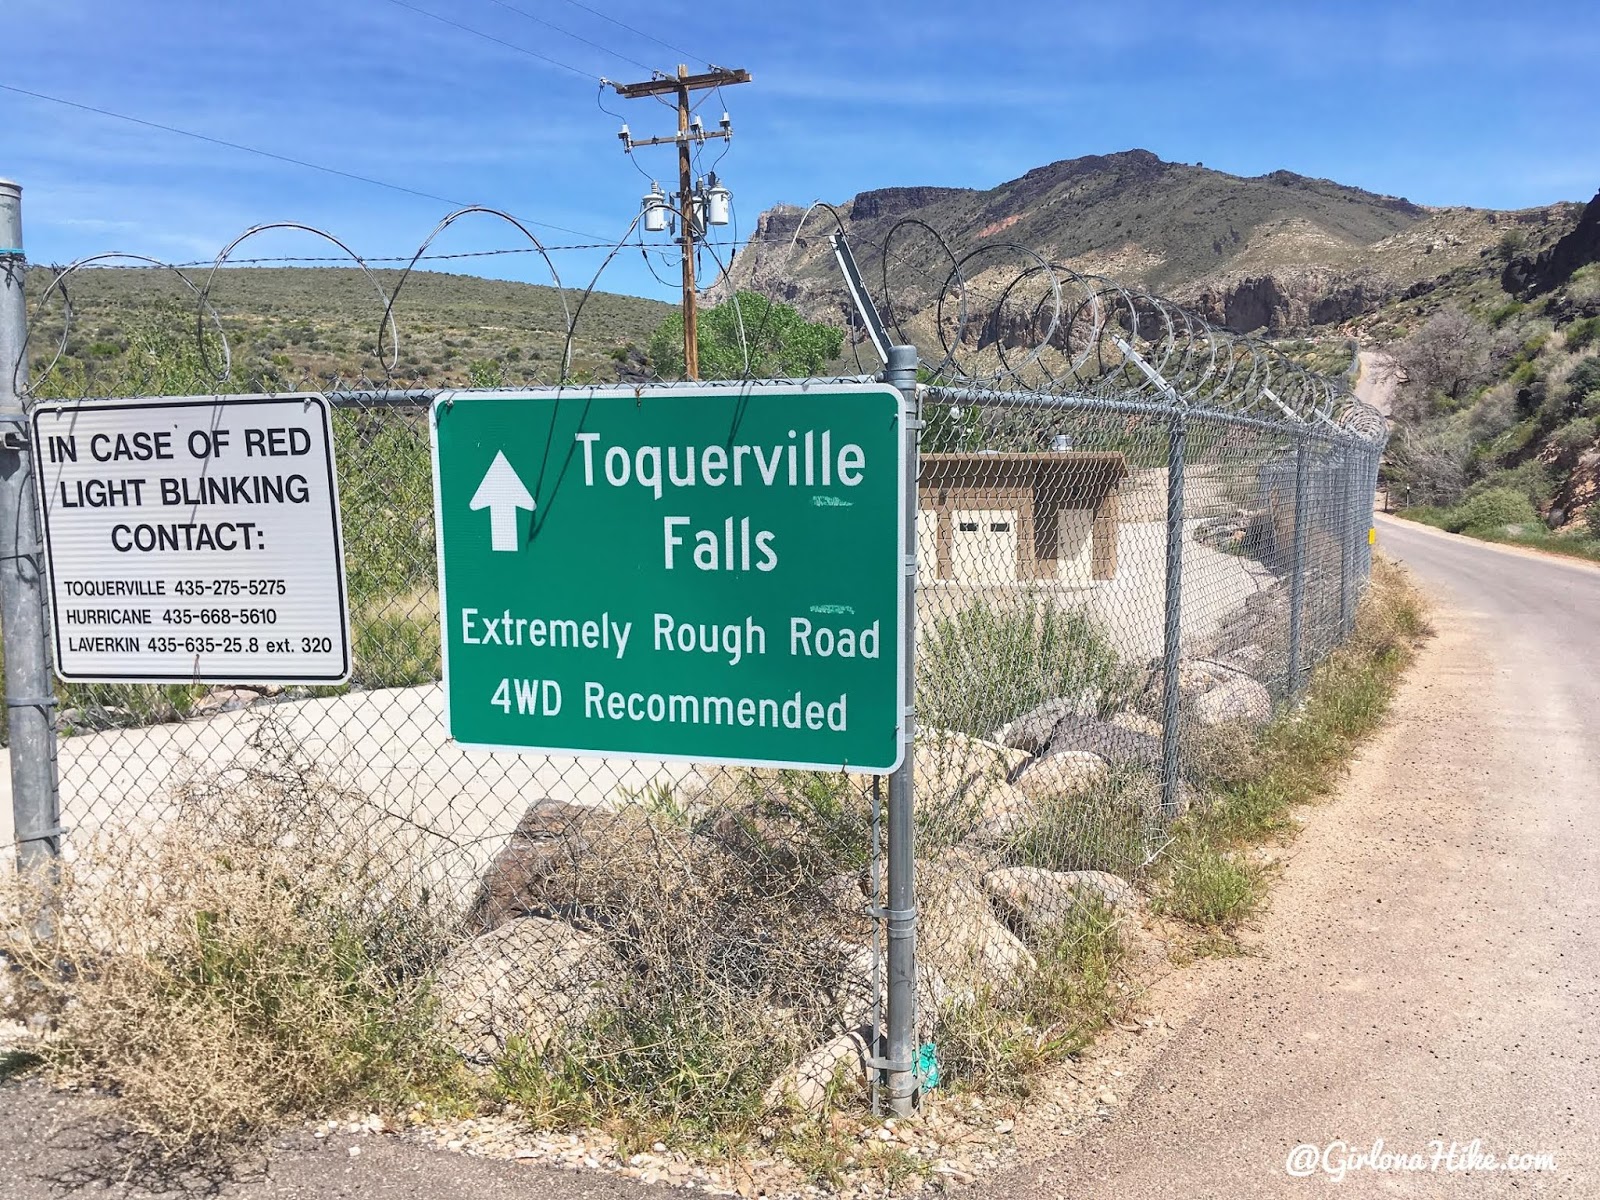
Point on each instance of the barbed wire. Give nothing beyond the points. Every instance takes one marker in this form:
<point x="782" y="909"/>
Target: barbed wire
<point x="994" y="319"/>
<point x="212" y="338"/>
<point x="1003" y="318"/>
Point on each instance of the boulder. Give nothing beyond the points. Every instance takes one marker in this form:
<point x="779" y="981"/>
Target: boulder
<point x="552" y="837"/>
<point x="1250" y="659"/>
<point x="1199" y="675"/>
<point x="1067" y="773"/>
<point x="1006" y="811"/>
<point x="962" y="781"/>
<point x="528" y="978"/>
<point x="959" y="939"/>
<point x="809" y="1082"/>
<point x="1031" y="731"/>
<point x="1239" y="699"/>
<point x="1040" y="900"/>
<point x="1137" y="723"/>
<point x="1114" y="743"/>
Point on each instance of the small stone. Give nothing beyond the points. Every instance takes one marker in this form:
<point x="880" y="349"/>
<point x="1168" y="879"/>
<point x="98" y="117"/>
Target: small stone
<point x="355" y="1151"/>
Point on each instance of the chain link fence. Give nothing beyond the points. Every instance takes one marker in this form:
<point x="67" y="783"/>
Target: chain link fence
<point x="1135" y="536"/>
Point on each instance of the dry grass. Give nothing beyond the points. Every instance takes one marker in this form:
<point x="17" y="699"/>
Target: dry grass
<point x="259" y="956"/>
<point x="1210" y="878"/>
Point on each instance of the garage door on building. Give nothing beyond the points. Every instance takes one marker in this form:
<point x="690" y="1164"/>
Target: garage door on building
<point x="1075" y="546"/>
<point x="983" y="546"/>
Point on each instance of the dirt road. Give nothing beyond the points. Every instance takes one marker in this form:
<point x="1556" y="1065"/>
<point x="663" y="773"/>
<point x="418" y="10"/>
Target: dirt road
<point x="1430" y="969"/>
<point x="1376" y="383"/>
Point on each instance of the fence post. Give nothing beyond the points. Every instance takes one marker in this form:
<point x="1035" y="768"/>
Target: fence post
<point x="1348" y="491"/>
<point x="30" y="695"/>
<point x="1297" y="575"/>
<point x="901" y="901"/>
<point x="1177" y="440"/>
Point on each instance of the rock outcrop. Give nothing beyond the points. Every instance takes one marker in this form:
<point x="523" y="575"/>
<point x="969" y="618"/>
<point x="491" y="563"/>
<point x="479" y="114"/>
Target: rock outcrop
<point x="528" y="979"/>
<point x="1527" y="276"/>
<point x="1281" y="302"/>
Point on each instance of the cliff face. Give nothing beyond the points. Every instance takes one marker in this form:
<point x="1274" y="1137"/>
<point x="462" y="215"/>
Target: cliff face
<point x="1278" y="304"/>
<point x="1527" y="276"/>
<point x="898" y="201"/>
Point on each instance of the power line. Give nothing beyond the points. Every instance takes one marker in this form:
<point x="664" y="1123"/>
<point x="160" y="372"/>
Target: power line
<point x="522" y="12"/>
<point x="389" y="258"/>
<point x="489" y="37"/>
<point x="284" y="158"/>
<point x="641" y="33"/>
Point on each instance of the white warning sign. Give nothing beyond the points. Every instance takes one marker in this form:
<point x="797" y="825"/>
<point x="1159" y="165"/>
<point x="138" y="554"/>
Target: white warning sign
<point x="193" y="539"/>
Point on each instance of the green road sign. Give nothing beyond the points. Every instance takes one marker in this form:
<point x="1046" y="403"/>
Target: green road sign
<point x="711" y="574"/>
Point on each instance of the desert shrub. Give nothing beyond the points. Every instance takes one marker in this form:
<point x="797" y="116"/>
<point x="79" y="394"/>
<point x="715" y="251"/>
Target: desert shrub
<point x="1105" y="829"/>
<point x="1583" y="386"/>
<point x="1494" y="414"/>
<point x="1504" y="313"/>
<point x="1208" y="883"/>
<point x="1584" y="285"/>
<point x="1534" y="479"/>
<point x="261" y="955"/>
<point x="1490" y="511"/>
<point x="1576" y="435"/>
<point x="396" y="649"/>
<point x="732" y="955"/>
<point x="1591" y="520"/>
<point x="692" y="1071"/>
<point x="385" y="503"/>
<point x="990" y="663"/>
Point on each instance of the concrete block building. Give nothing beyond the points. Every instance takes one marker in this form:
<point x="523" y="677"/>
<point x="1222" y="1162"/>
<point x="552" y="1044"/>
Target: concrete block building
<point x="998" y="519"/>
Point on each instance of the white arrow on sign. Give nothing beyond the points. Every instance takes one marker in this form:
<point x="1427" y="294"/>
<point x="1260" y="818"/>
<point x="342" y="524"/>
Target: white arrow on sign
<point x="502" y="492"/>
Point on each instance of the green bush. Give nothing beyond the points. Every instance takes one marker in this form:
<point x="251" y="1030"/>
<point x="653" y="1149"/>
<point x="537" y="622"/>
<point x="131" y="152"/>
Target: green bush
<point x="1591" y="520"/>
<point x="1576" y="435"/>
<point x="1505" y="312"/>
<point x="1581" y="334"/>
<point x="1534" y="479"/>
<point x="989" y="664"/>
<point x="1490" y="511"/>
<point x="1583" y="385"/>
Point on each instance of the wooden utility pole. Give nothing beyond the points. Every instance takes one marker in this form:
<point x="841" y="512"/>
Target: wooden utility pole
<point x="689" y="207"/>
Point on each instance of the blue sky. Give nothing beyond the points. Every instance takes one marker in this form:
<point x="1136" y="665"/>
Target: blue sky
<point x="1444" y="103"/>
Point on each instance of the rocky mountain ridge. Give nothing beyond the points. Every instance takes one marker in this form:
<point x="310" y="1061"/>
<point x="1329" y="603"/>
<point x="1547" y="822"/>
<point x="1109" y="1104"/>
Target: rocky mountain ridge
<point x="1279" y="253"/>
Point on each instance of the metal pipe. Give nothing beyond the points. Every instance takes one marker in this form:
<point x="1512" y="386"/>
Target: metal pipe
<point x="1297" y="576"/>
<point x="901" y="901"/>
<point x="1171" y="785"/>
<point x="30" y="693"/>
